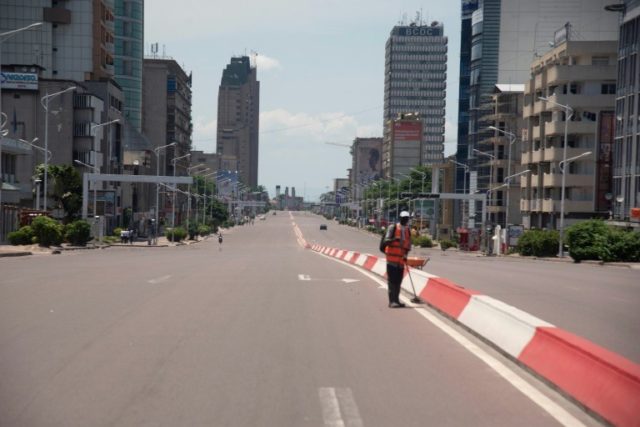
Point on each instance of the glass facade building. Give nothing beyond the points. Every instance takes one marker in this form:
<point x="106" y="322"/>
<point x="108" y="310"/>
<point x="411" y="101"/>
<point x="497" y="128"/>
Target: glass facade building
<point x="129" y="51"/>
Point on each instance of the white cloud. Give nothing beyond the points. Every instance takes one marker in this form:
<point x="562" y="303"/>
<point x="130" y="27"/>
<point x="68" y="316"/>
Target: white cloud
<point x="265" y="63"/>
<point x="204" y="134"/>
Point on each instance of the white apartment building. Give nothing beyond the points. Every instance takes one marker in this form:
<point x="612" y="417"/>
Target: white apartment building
<point x="580" y="75"/>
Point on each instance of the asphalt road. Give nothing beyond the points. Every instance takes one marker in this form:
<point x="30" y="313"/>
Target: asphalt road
<point x="599" y="303"/>
<point x="260" y="333"/>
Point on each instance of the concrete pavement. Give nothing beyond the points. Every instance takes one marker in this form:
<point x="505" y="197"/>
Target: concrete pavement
<point x="232" y="335"/>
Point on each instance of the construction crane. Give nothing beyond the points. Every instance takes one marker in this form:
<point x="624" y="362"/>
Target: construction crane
<point x="338" y="144"/>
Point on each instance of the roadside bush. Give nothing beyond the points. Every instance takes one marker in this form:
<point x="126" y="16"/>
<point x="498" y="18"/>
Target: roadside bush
<point x="178" y="234"/>
<point x="78" y="233"/>
<point x="446" y="244"/>
<point x="47" y="230"/>
<point x="624" y="246"/>
<point x="588" y="240"/>
<point x="540" y="243"/>
<point x="422" y="241"/>
<point x="204" y="230"/>
<point x="117" y="231"/>
<point x="23" y="236"/>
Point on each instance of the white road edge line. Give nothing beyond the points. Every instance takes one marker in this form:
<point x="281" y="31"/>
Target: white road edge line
<point x="330" y="407"/>
<point x="159" y="279"/>
<point x="349" y="407"/>
<point x="553" y="409"/>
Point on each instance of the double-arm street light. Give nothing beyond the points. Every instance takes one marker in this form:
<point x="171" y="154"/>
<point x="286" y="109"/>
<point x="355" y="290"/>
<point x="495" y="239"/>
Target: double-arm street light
<point x="157" y="152"/>
<point x="4" y="36"/>
<point x="562" y="165"/>
<point x="94" y="127"/>
<point x="512" y="139"/>
<point x="45" y="104"/>
<point x="568" y="113"/>
<point x="492" y="157"/>
<point x="173" y="204"/>
<point x="465" y="206"/>
<point x="37" y="180"/>
<point x="96" y="170"/>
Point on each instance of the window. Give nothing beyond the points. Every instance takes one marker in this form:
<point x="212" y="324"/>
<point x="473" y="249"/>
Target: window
<point x="608" y="89"/>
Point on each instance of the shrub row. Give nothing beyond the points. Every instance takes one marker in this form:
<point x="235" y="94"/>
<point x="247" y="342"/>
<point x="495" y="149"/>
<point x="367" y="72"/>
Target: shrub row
<point x="540" y="243"/>
<point x="176" y="235"/>
<point x="594" y="240"/>
<point x="47" y="231"/>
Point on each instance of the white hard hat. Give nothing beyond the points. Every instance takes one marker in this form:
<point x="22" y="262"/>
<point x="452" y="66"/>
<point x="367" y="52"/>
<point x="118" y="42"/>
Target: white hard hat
<point x="404" y="214"/>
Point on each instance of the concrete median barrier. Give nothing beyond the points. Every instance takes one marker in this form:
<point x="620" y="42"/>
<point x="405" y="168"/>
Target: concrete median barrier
<point x="604" y="382"/>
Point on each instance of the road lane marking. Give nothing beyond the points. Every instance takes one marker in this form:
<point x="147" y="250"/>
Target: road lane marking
<point x="549" y="406"/>
<point x="304" y="277"/>
<point x="159" y="279"/>
<point x="347" y="281"/>
<point x="332" y="400"/>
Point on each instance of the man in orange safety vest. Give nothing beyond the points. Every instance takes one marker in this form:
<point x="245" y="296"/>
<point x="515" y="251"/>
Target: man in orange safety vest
<point x="397" y="244"/>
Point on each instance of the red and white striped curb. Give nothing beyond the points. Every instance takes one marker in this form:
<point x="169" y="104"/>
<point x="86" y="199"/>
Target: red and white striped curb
<point x="603" y="381"/>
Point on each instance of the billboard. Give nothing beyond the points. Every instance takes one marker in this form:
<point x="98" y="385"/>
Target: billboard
<point x="368" y="164"/>
<point x="25" y="81"/>
<point x="404" y="131"/>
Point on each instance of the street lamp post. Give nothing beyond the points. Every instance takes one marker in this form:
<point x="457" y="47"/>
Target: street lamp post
<point x="193" y="168"/>
<point x="47" y="154"/>
<point x="96" y="170"/>
<point x="4" y="36"/>
<point x="173" y="204"/>
<point x="568" y="111"/>
<point x="45" y="104"/>
<point x="157" y="152"/>
<point x="464" y="191"/>
<point x="512" y="139"/>
<point x="562" y="166"/>
<point x="492" y="157"/>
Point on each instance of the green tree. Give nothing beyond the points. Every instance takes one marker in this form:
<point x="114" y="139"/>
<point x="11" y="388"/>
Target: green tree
<point x="65" y="188"/>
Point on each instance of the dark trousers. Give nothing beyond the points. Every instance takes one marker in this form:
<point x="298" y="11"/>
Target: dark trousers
<point x="395" y="273"/>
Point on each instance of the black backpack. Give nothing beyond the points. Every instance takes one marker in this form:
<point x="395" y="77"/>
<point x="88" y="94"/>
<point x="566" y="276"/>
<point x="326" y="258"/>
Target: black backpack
<point x="384" y="244"/>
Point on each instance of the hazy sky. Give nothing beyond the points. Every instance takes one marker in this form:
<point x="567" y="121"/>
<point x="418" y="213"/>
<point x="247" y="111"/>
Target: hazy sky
<point x="321" y="71"/>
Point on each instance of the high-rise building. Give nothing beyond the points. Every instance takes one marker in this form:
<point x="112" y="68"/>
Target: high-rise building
<point x="128" y="56"/>
<point x="238" y="117"/>
<point x="415" y="81"/>
<point x="166" y="107"/>
<point x="626" y="149"/>
<point x="505" y="37"/>
<point x="75" y="41"/>
<point x="580" y="75"/>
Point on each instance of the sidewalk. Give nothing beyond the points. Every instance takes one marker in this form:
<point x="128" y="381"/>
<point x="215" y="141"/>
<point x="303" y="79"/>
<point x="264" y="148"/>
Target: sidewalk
<point x="7" y="250"/>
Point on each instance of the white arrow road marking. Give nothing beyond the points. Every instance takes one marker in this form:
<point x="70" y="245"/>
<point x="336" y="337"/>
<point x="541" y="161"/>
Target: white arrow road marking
<point x="332" y="400"/>
<point x="347" y="281"/>
<point x="159" y="279"/>
<point x="304" y="277"/>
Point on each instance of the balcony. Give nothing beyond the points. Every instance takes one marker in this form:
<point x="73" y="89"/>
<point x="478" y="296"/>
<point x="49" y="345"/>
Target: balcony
<point x="527" y="111"/>
<point x="526" y="158"/>
<point x="550" y="205"/>
<point x="573" y="128"/>
<point x="580" y="73"/>
<point x="554" y="154"/>
<point x="536" y="156"/>
<point x="535" y="205"/>
<point x="572" y="180"/>
<point x="582" y="101"/>
<point x="525" y="205"/>
<point x="539" y="80"/>
<point x="538" y="107"/>
<point x="535" y="132"/>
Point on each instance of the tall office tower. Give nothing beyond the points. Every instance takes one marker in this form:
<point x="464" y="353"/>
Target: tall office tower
<point x="625" y="197"/>
<point x="468" y="7"/>
<point x="415" y="81"/>
<point x="129" y="51"/>
<point x="505" y="37"/>
<point x="238" y="121"/>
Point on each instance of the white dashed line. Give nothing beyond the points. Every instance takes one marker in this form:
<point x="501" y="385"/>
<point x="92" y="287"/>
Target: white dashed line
<point x="159" y="279"/>
<point x="332" y="400"/>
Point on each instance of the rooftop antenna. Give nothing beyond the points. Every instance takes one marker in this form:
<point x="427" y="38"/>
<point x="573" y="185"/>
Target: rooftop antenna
<point x="164" y="51"/>
<point x="154" y="49"/>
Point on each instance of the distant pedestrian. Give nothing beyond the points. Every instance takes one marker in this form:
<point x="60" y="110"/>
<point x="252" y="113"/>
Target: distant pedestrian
<point x="397" y="244"/>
